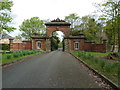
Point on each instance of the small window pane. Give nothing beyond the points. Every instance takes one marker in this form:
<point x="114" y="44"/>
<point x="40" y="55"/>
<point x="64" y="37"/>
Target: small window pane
<point x="76" y="45"/>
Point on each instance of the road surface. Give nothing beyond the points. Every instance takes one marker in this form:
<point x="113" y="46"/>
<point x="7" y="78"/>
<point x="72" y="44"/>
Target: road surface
<point x="56" y="69"/>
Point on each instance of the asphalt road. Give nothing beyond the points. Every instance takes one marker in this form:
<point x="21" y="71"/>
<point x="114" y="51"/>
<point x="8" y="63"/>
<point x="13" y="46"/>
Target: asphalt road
<point x="52" y="70"/>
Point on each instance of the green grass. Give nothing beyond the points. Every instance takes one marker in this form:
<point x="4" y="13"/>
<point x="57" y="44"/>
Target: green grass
<point x="15" y="55"/>
<point x="108" y="68"/>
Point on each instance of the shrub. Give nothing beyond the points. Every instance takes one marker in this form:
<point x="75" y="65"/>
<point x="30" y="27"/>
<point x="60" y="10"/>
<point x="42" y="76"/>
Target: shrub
<point x="8" y="56"/>
<point x="119" y="72"/>
<point x="5" y="46"/>
<point x="15" y="55"/>
<point x="79" y="54"/>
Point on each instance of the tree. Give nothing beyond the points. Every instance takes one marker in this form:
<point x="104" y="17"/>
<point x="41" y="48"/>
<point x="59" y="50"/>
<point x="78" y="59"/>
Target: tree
<point x="30" y="26"/>
<point x="89" y="27"/>
<point x="18" y="37"/>
<point x="100" y="27"/>
<point x="5" y="17"/>
<point x="54" y="41"/>
<point x="111" y="11"/>
<point x="73" y="19"/>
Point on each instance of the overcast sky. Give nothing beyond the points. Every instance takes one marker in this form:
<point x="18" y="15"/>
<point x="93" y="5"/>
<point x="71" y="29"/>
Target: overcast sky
<point x="49" y="9"/>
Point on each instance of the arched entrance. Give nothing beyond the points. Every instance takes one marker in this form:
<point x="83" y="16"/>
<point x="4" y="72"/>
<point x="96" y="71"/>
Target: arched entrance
<point x="57" y="41"/>
<point x="71" y="43"/>
<point x="57" y="25"/>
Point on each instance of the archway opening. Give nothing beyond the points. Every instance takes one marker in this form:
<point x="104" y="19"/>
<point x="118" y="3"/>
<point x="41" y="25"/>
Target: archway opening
<point x="57" y="41"/>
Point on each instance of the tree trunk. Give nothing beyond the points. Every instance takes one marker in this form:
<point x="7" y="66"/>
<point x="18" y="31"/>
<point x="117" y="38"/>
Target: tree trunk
<point x="118" y="28"/>
<point x="119" y="40"/>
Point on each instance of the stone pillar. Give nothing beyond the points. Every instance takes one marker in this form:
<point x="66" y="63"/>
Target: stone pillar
<point x="66" y="45"/>
<point x="32" y="44"/>
<point x="48" y="44"/>
<point x="11" y="44"/>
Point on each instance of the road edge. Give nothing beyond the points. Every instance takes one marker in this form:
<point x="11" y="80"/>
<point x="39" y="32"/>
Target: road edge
<point x="104" y="78"/>
<point x="19" y="60"/>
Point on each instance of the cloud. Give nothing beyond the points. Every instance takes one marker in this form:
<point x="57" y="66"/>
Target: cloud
<point x="49" y="9"/>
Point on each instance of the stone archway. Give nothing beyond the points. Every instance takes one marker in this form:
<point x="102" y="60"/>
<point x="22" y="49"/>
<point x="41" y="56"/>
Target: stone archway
<point x="57" y="25"/>
<point x="71" y="43"/>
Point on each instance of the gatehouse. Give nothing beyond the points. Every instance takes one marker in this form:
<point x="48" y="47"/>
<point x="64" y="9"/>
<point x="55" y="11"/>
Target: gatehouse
<point x="71" y="43"/>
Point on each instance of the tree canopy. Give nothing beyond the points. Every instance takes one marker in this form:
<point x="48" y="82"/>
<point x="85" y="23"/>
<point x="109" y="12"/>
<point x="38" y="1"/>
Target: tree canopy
<point x="5" y="17"/>
<point x="32" y="25"/>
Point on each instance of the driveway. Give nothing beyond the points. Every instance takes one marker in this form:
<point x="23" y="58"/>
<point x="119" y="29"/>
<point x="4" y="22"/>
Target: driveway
<point x="56" y="69"/>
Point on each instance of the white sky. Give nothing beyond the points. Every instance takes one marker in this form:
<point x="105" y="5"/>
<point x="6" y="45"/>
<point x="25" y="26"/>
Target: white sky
<point x="49" y="9"/>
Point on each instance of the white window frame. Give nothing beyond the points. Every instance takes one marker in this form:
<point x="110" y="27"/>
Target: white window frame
<point x="76" y="48"/>
<point x="37" y="44"/>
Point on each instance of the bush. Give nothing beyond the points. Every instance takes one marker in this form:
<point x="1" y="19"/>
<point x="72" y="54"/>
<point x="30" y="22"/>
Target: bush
<point x="15" y="55"/>
<point x="8" y="56"/>
<point x="119" y="73"/>
<point x="5" y="46"/>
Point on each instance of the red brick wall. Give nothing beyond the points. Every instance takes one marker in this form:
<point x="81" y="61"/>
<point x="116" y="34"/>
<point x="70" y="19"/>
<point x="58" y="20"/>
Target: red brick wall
<point x="18" y="46"/>
<point x="88" y="46"/>
<point x="72" y="45"/>
<point x="94" y="47"/>
<point x="27" y="45"/>
<point x="98" y="48"/>
<point x="22" y="46"/>
<point x="64" y="29"/>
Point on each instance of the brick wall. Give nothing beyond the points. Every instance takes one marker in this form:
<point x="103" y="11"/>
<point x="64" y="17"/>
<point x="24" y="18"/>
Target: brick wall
<point x="22" y="46"/>
<point x="98" y="48"/>
<point x="88" y="46"/>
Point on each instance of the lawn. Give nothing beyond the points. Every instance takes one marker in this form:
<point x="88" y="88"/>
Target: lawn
<point x="108" y="68"/>
<point x="15" y="55"/>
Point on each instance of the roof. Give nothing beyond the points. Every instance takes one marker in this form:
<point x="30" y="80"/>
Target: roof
<point x="17" y="41"/>
<point x="5" y="36"/>
<point x="81" y="36"/>
<point x="38" y="36"/>
<point x="57" y="22"/>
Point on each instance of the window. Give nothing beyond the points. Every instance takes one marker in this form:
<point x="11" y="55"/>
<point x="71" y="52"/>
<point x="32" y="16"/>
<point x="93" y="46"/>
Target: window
<point x="76" y="45"/>
<point x="38" y="44"/>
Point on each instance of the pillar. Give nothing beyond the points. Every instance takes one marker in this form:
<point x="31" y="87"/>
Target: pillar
<point x="11" y="44"/>
<point x="48" y="44"/>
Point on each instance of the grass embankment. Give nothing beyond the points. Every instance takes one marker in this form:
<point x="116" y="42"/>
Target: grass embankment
<point x="110" y="69"/>
<point x="15" y="55"/>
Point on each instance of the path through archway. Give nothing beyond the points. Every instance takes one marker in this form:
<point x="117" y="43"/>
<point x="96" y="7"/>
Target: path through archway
<point x="57" y="41"/>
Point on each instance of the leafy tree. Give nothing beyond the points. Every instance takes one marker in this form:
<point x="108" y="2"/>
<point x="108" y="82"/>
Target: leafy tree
<point x="18" y="37"/>
<point x="89" y="27"/>
<point x="54" y="41"/>
<point x="33" y="25"/>
<point x="111" y="11"/>
<point x="75" y="33"/>
<point x="100" y="28"/>
<point x="5" y="17"/>
<point x="73" y="19"/>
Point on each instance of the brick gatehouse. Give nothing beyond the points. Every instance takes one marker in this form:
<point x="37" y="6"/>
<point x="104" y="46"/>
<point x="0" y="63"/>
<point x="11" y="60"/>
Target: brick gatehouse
<point x="71" y="43"/>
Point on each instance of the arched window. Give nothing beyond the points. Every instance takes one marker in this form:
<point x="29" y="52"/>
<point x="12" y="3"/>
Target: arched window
<point x="38" y="44"/>
<point x="76" y="45"/>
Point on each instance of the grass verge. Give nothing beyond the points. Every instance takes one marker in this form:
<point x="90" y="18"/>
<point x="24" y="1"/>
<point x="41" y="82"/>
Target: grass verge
<point x="15" y="55"/>
<point x="110" y="69"/>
